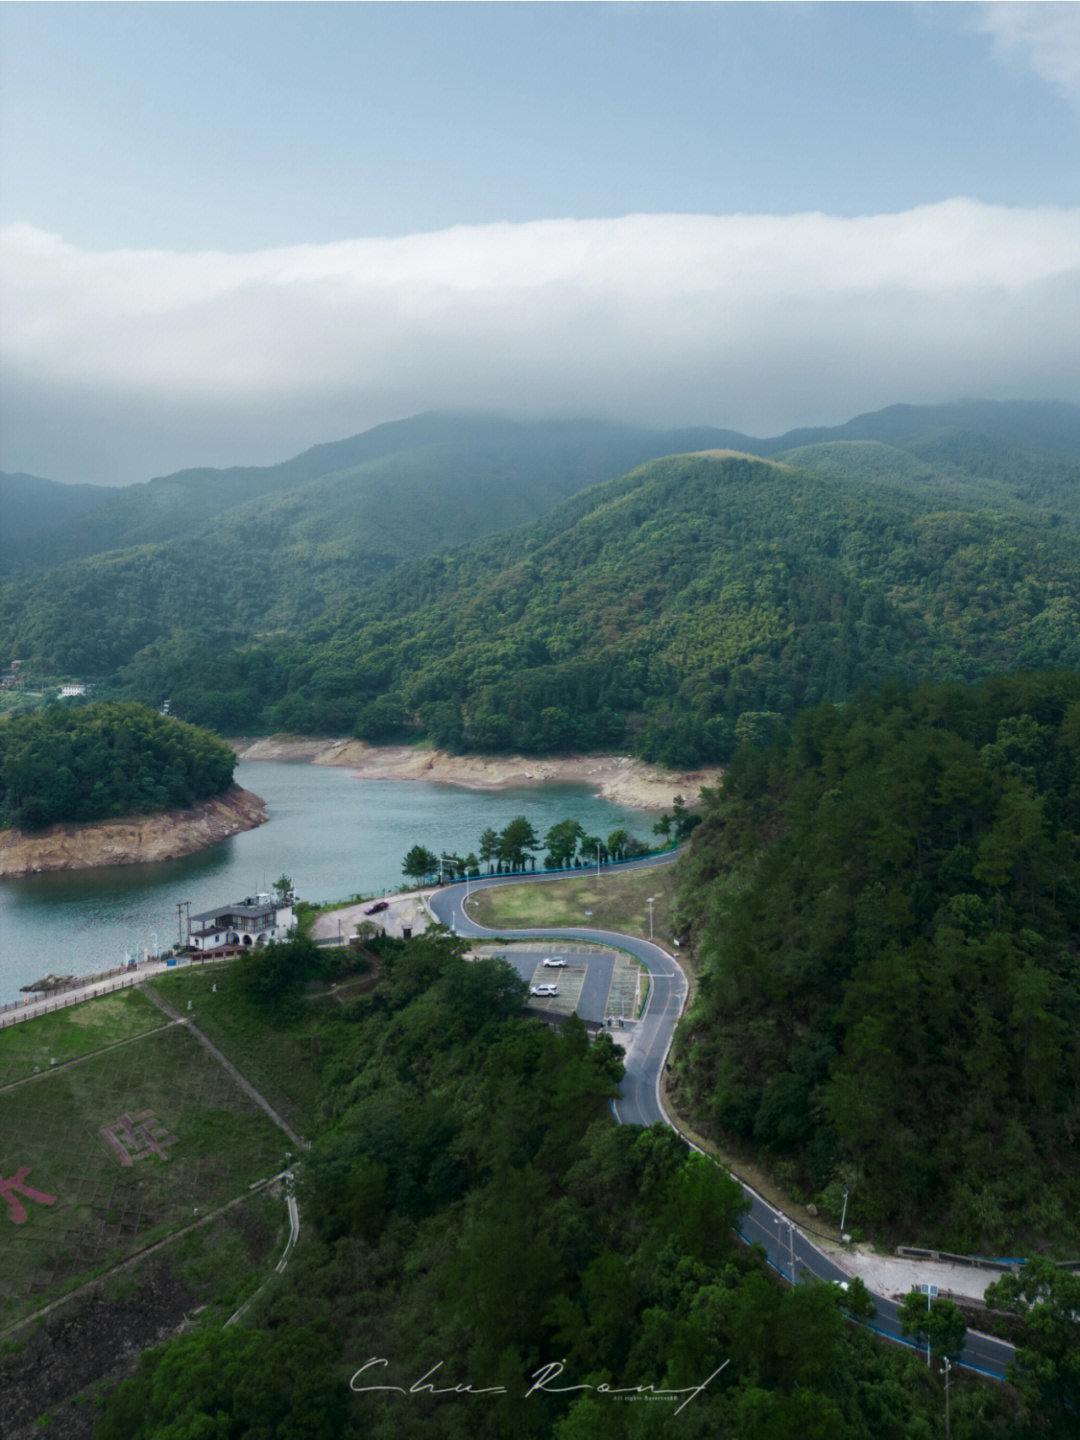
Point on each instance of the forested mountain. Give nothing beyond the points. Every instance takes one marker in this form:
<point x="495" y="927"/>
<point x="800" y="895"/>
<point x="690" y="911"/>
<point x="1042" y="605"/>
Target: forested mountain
<point x="886" y="912"/>
<point x="230" y="554"/>
<point x="676" y="611"/>
<point x="100" y="761"/>
<point x="400" y="489"/>
<point x="37" y="513"/>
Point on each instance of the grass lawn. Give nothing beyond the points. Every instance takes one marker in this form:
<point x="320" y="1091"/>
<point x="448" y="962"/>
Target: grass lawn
<point x="615" y="901"/>
<point x="214" y="1143"/>
<point x="277" y="1052"/>
<point x="77" y="1030"/>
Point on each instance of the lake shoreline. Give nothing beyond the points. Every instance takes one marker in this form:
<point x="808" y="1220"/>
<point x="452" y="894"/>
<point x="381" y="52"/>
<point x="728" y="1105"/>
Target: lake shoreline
<point x="132" y="840"/>
<point x="624" y="781"/>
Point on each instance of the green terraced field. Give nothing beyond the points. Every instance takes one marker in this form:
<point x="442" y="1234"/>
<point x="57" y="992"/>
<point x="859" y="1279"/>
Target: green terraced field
<point x="131" y="1144"/>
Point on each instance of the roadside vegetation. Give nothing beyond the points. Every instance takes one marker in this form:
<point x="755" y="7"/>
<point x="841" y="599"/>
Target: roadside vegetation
<point x="885" y="911"/>
<point x="469" y="1205"/>
<point x="467" y="1199"/>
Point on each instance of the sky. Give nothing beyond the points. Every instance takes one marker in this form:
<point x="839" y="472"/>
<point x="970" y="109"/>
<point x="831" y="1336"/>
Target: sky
<point x="232" y="231"/>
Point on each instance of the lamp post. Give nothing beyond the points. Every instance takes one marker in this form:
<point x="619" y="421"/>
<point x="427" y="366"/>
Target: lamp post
<point x="948" y="1367"/>
<point x="783" y="1220"/>
<point x="930" y="1291"/>
<point x="651" y="901"/>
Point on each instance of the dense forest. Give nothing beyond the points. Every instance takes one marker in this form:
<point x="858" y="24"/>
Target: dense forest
<point x="98" y="761"/>
<point x="475" y="1222"/>
<point x="676" y="612"/>
<point x="885" y="906"/>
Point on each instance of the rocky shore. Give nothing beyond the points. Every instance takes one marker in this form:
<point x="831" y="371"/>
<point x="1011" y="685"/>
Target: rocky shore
<point x="617" y="778"/>
<point x="134" y="840"/>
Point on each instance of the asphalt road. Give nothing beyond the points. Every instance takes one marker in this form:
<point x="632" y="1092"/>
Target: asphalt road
<point x="787" y="1248"/>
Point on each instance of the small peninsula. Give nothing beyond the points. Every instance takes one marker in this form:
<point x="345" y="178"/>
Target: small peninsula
<point x="113" y="784"/>
<point x="136" y="840"/>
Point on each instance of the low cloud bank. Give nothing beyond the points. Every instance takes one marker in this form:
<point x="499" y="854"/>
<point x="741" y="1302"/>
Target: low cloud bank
<point x="121" y="365"/>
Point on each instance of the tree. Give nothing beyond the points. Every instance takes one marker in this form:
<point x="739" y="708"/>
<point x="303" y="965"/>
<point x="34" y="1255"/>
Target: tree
<point x="683" y="822"/>
<point x="562" y="840"/>
<point x="1047" y="1298"/>
<point x="489" y="846"/>
<point x="419" y="863"/>
<point x="939" y="1320"/>
<point x="517" y="840"/>
<point x="283" y="884"/>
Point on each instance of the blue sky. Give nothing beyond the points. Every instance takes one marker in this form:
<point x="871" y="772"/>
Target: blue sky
<point x="235" y="230"/>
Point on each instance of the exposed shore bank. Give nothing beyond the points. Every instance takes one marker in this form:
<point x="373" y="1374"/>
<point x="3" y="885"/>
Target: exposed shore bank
<point x="133" y="840"/>
<point x="623" y="781"/>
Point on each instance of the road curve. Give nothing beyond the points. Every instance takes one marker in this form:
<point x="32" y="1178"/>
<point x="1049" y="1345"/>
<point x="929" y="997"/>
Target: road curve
<point x="789" y="1250"/>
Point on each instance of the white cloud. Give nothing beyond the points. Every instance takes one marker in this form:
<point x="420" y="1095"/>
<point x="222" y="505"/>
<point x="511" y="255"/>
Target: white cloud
<point x="1044" y="36"/>
<point x="125" y="364"/>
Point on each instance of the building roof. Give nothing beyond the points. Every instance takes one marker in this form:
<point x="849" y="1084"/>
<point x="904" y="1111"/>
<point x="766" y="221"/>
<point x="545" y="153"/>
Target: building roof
<point x="248" y="909"/>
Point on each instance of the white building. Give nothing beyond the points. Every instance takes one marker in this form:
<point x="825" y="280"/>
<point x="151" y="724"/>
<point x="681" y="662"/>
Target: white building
<point x="255" y="920"/>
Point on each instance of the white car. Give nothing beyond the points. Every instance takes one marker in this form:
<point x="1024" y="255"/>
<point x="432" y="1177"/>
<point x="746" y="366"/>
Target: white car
<point x="554" y="963"/>
<point x="544" y="990"/>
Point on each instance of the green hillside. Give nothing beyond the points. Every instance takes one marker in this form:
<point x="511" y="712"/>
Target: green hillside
<point x="678" y="610"/>
<point x="477" y="473"/>
<point x="885" y="912"/>
<point x="232" y="553"/>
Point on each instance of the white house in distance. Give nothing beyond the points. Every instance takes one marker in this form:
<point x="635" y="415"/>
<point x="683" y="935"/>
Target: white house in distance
<point x="255" y="920"/>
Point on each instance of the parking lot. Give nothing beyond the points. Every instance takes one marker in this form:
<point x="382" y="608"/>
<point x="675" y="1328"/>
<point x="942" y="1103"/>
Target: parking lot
<point x="595" y="983"/>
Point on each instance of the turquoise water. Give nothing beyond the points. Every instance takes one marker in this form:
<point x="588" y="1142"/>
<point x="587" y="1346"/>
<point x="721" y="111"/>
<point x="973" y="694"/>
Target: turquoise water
<point x="333" y="834"/>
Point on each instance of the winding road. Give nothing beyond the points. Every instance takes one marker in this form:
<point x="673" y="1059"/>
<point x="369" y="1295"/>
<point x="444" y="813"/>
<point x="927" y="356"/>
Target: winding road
<point x="790" y="1251"/>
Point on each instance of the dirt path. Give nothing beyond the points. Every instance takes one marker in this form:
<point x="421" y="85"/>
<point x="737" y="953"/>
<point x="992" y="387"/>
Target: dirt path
<point x="227" y="1065"/>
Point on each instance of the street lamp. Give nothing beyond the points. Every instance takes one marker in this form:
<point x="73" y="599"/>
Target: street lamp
<point x="783" y="1220"/>
<point x="651" y="901"/>
<point x="948" y="1367"/>
<point x="930" y="1291"/>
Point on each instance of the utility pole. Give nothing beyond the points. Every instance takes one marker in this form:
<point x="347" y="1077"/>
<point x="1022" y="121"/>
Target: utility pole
<point x="783" y="1220"/>
<point x="930" y="1291"/>
<point x="948" y="1367"/>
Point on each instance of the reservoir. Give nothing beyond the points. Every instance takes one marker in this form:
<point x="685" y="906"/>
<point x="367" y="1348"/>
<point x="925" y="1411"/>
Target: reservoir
<point x="334" y="835"/>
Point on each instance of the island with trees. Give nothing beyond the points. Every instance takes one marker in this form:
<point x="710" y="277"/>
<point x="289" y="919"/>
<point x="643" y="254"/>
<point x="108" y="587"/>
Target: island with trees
<point x="113" y="782"/>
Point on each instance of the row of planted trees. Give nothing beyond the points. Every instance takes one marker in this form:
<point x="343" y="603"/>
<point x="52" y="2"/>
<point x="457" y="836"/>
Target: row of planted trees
<point x="515" y="848"/>
<point x="566" y="845"/>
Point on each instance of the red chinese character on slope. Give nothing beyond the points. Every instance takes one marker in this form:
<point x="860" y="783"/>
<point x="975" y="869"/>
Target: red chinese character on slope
<point x="18" y="1182"/>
